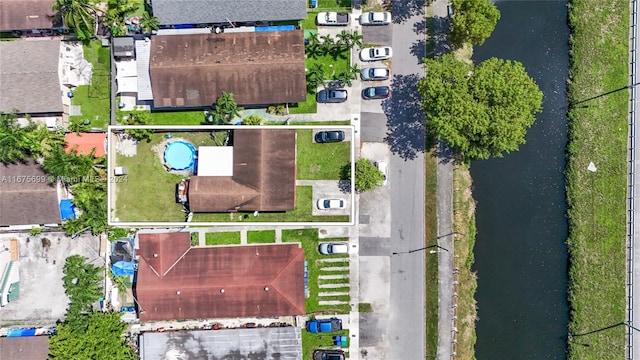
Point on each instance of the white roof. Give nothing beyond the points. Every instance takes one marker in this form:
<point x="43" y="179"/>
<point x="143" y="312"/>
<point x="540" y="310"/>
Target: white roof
<point x="127" y="84"/>
<point x="126" y="68"/>
<point x="215" y="161"/>
<point x="143" y="52"/>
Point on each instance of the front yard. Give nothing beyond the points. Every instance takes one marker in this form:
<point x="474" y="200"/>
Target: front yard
<point x="320" y="161"/>
<point x="94" y="99"/>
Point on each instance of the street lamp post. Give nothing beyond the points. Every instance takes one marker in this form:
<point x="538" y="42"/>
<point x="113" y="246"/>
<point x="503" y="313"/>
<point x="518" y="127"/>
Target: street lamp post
<point x="420" y="249"/>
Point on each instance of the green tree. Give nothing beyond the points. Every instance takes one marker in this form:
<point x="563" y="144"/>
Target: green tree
<point x="482" y="111"/>
<point x="14" y="140"/>
<point x="67" y="167"/>
<point x="367" y="176"/>
<point x="100" y="338"/>
<point x="315" y="77"/>
<point x="79" y="15"/>
<point x="473" y="21"/>
<point x="117" y="12"/>
<point x="355" y="39"/>
<point x="149" y="23"/>
<point x="44" y="141"/>
<point x="328" y="45"/>
<point x="312" y="47"/>
<point x="225" y="109"/>
<point x="78" y="126"/>
<point x="81" y="283"/>
<point x="138" y="117"/>
<point x="253" y="120"/>
<point x="346" y="77"/>
<point x="91" y="198"/>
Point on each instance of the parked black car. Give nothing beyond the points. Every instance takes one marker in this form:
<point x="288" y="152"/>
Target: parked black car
<point x="331" y="96"/>
<point x="376" y="92"/>
<point x="330" y="136"/>
<point x="328" y="355"/>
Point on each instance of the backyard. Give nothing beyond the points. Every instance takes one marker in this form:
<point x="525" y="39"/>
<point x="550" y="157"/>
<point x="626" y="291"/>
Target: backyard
<point x="320" y="161"/>
<point x="94" y="99"/>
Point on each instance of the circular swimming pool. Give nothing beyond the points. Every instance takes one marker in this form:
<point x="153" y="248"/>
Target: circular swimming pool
<point x="179" y="155"/>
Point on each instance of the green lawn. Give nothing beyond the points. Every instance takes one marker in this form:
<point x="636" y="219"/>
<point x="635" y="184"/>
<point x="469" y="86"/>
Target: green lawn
<point x="223" y="238"/>
<point x="261" y="236"/>
<point x="310" y="342"/>
<point x="309" y="240"/>
<point x="320" y="161"/>
<point x="310" y="22"/>
<point x="94" y="99"/>
<point x="338" y="5"/>
<point x="194" y="117"/>
<point x="149" y="192"/>
<point x="308" y="107"/>
<point x="597" y="200"/>
<point x="321" y="123"/>
<point x="301" y="212"/>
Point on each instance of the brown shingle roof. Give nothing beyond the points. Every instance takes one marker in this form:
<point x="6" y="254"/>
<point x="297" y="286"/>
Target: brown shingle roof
<point x="258" y="68"/>
<point x="185" y="283"/>
<point x="26" y="197"/>
<point x="264" y="175"/>
<point x="24" y="348"/>
<point x="29" y="79"/>
<point x="27" y="14"/>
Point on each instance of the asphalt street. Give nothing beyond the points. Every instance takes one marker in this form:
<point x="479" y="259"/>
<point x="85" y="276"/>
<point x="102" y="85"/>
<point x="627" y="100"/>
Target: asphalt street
<point x="406" y="137"/>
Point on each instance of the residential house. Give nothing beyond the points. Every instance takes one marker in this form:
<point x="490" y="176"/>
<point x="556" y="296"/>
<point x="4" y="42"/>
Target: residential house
<point x="28" y="15"/>
<point x="181" y="12"/>
<point x="259" y="68"/>
<point x="24" y="348"/>
<point x="261" y="177"/>
<point x="177" y="281"/>
<point x="29" y="78"/>
<point x="26" y="197"/>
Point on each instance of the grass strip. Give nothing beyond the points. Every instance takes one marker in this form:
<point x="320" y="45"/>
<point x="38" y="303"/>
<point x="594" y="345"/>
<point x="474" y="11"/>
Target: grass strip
<point x="95" y="99"/>
<point x="596" y="200"/>
<point x="223" y="238"/>
<point x="261" y="236"/>
<point x="463" y="224"/>
<point x="431" y="262"/>
<point x="311" y="342"/>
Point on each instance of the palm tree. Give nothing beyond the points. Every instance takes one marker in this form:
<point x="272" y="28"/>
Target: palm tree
<point x="354" y="70"/>
<point x="79" y="15"/>
<point x="328" y="44"/>
<point x="14" y="140"/>
<point x="68" y="168"/>
<point x="344" y="40"/>
<point x="356" y="39"/>
<point x="225" y="108"/>
<point x="77" y="126"/>
<point x="43" y="141"/>
<point x="117" y="11"/>
<point x="315" y="77"/>
<point x="149" y="23"/>
<point x="312" y="47"/>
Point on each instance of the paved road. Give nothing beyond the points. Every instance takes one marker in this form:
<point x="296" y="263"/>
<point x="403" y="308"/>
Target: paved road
<point x="406" y="138"/>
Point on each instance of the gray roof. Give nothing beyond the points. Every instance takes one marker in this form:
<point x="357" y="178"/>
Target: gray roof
<point x="172" y="12"/>
<point x="261" y="343"/>
<point x="123" y="46"/>
<point x="26" y="198"/>
<point x="29" y="80"/>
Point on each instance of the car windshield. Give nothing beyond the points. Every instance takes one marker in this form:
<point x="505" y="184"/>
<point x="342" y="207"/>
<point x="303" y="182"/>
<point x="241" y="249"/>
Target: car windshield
<point x="327" y="203"/>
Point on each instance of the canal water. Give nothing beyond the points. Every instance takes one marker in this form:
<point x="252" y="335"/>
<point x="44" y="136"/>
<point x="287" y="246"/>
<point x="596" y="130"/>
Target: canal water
<point x="520" y="251"/>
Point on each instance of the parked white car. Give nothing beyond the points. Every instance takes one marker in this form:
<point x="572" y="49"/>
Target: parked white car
<point x="333" y="248"/>
<point x="333" y="18"/>
<point x="384" y="169"/>
<point x="376" y="53"/>
<point x="375" y="18"/>
<point x="331" y="204"/>
<point x="375" y="74"/>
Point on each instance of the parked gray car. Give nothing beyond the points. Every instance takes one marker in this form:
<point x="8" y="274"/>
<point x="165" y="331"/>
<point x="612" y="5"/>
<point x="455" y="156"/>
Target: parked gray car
<point x="374" y="74"/>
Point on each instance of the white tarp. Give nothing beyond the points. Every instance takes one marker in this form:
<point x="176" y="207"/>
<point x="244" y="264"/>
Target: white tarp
<point x="215" y="161"/>
<point x="126" y="68"/>
<point x="127" y="84"/>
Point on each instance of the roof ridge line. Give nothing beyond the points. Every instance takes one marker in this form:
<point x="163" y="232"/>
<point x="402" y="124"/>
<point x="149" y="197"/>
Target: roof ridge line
<point x="177" y="261"/>
<point x="282" y="270"/>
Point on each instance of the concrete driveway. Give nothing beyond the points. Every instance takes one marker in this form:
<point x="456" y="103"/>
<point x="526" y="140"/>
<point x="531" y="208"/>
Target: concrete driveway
<point x="328" y="189"/>
<point x="41" y="260"/>
<point x="373" y="127"/>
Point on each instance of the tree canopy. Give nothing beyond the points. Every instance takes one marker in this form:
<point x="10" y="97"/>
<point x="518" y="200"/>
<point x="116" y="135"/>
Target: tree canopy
<point x="367" y="176"/>
<point x="14" y="140"/>
<point x="225" y="109"/>
<point x="79" y="15"/>
<point x="483" y="111"/>
<point x="473" y="21"/>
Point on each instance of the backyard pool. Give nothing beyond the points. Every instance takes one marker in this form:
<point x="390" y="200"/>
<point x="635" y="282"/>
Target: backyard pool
<point x="179" y="155"/>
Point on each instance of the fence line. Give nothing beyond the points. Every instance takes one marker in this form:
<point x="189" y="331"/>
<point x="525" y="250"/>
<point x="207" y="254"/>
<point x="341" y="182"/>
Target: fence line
<point x="631" y="178"/>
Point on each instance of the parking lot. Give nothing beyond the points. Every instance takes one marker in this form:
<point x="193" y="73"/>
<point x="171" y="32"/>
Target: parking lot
<point x="41" y="261"/>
